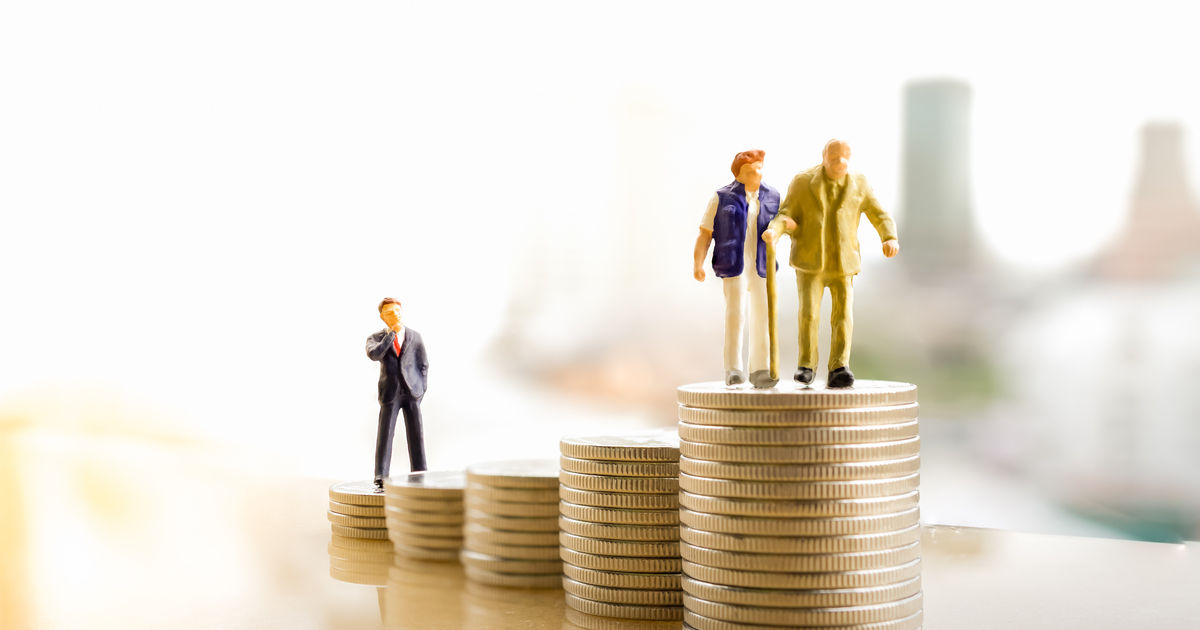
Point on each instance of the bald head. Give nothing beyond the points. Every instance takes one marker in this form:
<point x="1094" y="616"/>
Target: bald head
<point x="836" y="159"/>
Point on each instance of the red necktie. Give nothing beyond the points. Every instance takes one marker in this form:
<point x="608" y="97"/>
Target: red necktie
<point x="396" y="344"/>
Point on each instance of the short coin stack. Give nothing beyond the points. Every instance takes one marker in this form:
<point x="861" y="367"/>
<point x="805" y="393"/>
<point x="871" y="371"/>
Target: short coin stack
<point x="511" y="532"/>
<point x="799" y="506"/>
<point x="359" y="551"/>
<point x="620" y="525"/>
<point x="425" y="514"/>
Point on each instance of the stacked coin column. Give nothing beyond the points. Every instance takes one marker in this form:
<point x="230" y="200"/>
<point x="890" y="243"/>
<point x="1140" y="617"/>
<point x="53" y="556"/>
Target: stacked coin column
<point x="619" y="522"/>
<point x="511" y="524"/>
<point x="359" y="550"/>
<point x="799" y="507"/>
<point x="425" y="514"/>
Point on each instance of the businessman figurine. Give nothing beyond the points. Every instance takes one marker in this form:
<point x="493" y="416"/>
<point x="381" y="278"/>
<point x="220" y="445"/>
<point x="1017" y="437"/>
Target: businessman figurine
<point x="403" y="369"/>
<point x="821" y="213"/>
<point x="736" y="217"/>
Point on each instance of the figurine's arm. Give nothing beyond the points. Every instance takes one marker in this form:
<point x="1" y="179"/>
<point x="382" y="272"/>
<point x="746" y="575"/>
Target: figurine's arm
<point x="784" y="222"/>
<point x="703" y="240"/>
<point x="882" y="221"/>
<point x="376" y="349"/>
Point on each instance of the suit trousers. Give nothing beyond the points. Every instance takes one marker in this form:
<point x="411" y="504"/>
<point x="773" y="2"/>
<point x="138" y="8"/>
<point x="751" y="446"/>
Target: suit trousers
<point x="752" y="288"/>
<point x="388" y="411"/>
<point x="811" y="287"/>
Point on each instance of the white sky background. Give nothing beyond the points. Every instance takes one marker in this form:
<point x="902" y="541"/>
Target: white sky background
<point x="201" y="203"/>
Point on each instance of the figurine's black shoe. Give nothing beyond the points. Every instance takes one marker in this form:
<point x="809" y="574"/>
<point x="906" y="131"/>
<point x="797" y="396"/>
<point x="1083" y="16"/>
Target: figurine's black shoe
<point x="379" y="484"/>
<point x="734" y="377"/>
<point x="841" y="377"/>
<point x="761" y="379"/>
<point x="804" y="375"/>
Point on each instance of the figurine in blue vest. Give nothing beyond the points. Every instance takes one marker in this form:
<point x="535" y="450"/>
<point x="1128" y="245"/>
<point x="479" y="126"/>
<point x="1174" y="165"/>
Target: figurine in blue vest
<point x="736" y="217"/>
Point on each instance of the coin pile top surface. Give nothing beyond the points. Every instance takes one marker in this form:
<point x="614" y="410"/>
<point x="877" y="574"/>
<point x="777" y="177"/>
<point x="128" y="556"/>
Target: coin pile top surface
<point x="359" y="549"/>
<point x="424" y="514"/>
<point x="511" y="524"/>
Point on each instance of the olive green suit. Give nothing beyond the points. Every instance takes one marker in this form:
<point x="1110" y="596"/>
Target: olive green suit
<point x="825" y="253"/>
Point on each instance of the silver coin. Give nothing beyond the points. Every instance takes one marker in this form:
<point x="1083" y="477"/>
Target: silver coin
<point x="610" y="483"/>
<point x="658" y="533"/>
<point x="429" y="484"/>
<point x="800" y="563"/>
<point x="804" y="490"/>
<point x="826" y="526"/>
<point x="646" y="446"/>
<point x="845" y="471"/>
<point x="821" y="454"/>
<point x="516" y="473"/>
<point x="800" y="544"/>
<point x="797" y="436"/>
<point x="800" y="417"/>
<point x="786" y="395"/>
<point x="618" y="469"/>
<point x="624" y="548"/>
<point x="773" y="580"/>
<point x="822" y="598"/>
<point x="781" y="508"/>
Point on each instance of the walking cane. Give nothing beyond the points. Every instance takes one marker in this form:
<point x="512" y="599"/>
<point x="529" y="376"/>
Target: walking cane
<point x="771" y="333"/>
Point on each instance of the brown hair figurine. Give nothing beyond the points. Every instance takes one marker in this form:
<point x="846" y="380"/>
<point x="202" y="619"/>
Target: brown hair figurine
<point x="403" y="369"/>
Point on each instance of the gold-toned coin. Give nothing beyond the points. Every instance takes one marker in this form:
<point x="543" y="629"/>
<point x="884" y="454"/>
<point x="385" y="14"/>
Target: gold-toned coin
<point x="646" y="446"/>
<point x="373" y="533"/>
<point x="789" y="490"/>
<point x="369" y="511"/>
<point x="361" y="544"/>
<point x="509" y="565"/>
<point x="512" y="523"/>
<point x="608" y="483"/>
<point x="827" y="598"/>
<point x="618" y="469"/>
<point x="697" y="622"/>
<point x="352" y="577"/>
<point x="429" y="484"/>
<point x="620" y="564"/>
<point x="624" y="611"/>
<point x="515" y="580"/>
<point x="423" y="505"/>
<point x="716" y="395"/>
<point x="797" y="436"/>
<point x="512" y="495"/>
<point x="801" y="472"/>
<point x="636" y="597"/>
<point x="506" y="508"/>
<point x="511" y="551"/>
<point x="379" y="568"/>
<point x="780" y="508"/>
<point x="428" y="518"/>
<point x="619" y="500"/>
<point x="425" y="542"/>
<point x="354" y="521"/>
<point x="360" y="555"/>
<point x="356" y="493"/>
<point x="800" y="417"/>
<point x="800" y="544"/>
<point x="425" y="530"/>
<point x="423" y="553"/>
<point x="593" y="622"/>
<point x="804" y="581"/>
<point x="626" y="548"/>
<point x="615" y="579"/>
<point x="800" y="563"/>
<point x="515" y="473"/>
<point x="503" y="537"/>
<point x="653" y="533"/>
<point x="828" y="526"/>
<point x="850" y="615"/>
<point x="821" y="454"/>
<point x="615" y="516"/>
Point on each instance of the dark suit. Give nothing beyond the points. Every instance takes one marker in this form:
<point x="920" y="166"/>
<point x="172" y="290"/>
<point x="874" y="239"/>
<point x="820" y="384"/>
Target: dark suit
<point x="401" y="385"/>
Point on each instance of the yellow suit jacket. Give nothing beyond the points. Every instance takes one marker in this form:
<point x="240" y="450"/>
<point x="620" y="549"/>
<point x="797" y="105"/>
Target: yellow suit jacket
<point x="807" y="204"/>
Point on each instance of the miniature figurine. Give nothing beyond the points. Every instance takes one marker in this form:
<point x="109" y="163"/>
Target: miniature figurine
<point x="403" y="369"/>
<point x="821" y="214"/>
<point x="740" y="260"/>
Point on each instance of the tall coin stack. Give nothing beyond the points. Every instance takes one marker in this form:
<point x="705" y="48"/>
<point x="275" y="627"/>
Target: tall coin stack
<point x="511" y="532"/>
<point x="425" y="514"/>
<point x="359" y="550"/>
<point x="799" y="506"/>
<point x="620" y="525"/>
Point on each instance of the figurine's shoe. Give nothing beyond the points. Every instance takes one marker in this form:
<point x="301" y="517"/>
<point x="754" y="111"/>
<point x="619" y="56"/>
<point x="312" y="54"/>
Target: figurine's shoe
<point x="804" y="375"/>
<point x="378" y="484"/>
<point x="761" y="379"/>
<point x="841" y="377"/>
<point x="734" y="377"/>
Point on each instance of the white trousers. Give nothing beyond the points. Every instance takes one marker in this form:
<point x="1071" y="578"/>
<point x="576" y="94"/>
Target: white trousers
<point x="752" y="288"/>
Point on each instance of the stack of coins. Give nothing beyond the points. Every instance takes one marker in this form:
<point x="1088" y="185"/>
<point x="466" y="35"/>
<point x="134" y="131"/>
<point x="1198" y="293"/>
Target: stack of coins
<point x="620" y="525"/>
<point x="511" y="532"/>
<point x="425" y="514"/>
<point x="799" y="506"/>
<point x="359" y="551"/>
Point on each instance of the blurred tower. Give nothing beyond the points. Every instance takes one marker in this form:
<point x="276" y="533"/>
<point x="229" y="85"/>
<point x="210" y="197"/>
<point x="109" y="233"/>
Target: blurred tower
<point x="1161" y="237"/>
<point x="937" y="229"/>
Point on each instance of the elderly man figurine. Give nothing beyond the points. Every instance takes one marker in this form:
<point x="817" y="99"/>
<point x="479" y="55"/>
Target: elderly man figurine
<point x="821" y="213"/>
<point x="736" y="217"/>
<point x="403" y="368"/>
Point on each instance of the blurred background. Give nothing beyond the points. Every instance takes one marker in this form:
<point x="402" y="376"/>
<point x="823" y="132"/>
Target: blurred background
<point x="201" y="205"/>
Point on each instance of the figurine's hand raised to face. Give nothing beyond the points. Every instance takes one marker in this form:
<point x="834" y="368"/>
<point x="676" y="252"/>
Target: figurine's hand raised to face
<point x="891" y="248"/>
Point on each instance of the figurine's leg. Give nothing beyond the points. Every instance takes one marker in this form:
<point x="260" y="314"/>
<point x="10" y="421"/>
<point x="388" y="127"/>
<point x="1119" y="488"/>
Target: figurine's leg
<point x="383" y="442"/>
<point x="415" y="435"/>
<point x="841" y="320"/>
<point x="760" y="358"/>
<point x="735" y="303"/>
<point x="810" y="288"/>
